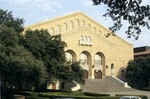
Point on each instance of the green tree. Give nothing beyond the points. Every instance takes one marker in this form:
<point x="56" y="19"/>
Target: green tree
<point x="18" y="67"/>
<point x="50" y="49"/>
<point x="7" y="19"/>
<point x="132" y="11"/>
<point x="138" y="74"/>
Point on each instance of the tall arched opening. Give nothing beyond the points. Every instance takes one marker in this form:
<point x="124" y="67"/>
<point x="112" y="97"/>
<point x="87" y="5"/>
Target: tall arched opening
<point x="99" y="65"/>
<point x="85" y="63"/>
<point x="71" y="56"/>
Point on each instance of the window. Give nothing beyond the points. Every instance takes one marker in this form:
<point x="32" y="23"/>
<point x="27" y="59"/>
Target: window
<point x="82" y="23"/>
<point x="58" y="29"/>
<point x="77" y="23"/>
<point x="81" y="37"/>
<point x="89" y="26"/>
<point x="97" y="60"/>
<point x="100" y="32"/>
<point x="94" y="28"/>
<point x="85" y="38"/>
<point x="83" y="59"/>
<point x="70" y="25"/>
<point x="51" y="30"/>
<point x="68" y="56"/>
<point x="65" y="27"/>
<point x="89" y="39"/>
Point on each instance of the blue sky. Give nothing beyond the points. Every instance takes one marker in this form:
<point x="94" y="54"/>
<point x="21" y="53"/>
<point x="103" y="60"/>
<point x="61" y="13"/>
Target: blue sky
<point x="34" y="11"/>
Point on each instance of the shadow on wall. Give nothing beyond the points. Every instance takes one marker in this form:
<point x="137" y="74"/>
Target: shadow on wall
<point x="121" y="74"/>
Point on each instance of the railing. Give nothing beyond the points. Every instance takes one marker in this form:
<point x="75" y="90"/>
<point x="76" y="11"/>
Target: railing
<point x="122" y="83"/>
<point x="77" y="87"/>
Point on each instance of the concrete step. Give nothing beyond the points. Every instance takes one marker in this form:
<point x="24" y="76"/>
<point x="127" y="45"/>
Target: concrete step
<point x="103" y="85"/>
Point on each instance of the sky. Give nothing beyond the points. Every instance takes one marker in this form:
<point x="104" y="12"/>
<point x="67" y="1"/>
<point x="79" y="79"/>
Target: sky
<point x="35" y="11"/>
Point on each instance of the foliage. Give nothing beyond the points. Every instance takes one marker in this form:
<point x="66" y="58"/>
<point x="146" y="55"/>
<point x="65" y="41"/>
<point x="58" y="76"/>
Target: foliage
<point x="72" y="72"/>
<point x="7" y="19"/>
<point x="18" y="66"/>
<point x="76" y="95"/>
<point x="78" y="72"/>
<point x="132" y="11"/>
<point x="50" y="49"/>
<point x="33" y="97"/>
<point x="138" y="72"/>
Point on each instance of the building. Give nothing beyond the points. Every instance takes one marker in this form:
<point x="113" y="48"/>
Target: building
<point x="142" y="51"/>
<point x="100" y="52"/>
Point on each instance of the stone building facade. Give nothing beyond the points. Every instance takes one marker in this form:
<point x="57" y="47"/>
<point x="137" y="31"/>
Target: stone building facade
<point x="100" y="52"/>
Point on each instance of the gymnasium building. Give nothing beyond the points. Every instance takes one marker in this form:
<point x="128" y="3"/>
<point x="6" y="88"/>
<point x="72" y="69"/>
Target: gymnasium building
<point x="100" y="52"/>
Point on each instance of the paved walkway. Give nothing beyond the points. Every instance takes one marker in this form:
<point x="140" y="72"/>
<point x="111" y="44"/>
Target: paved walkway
<point x="109" y="87"/>
<point x="137" y="92"/>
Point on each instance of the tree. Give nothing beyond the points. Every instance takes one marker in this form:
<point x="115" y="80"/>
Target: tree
<point x="132" y="11"/>
<point x="7" y="19"/>
<point x="50" y="49"/>
<point x="18" y="67"/>
<point x="138" y="72"/>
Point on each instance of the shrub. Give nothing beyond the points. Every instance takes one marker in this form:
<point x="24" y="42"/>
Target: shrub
<point x="146" y="89"/>
<point x="26" y="93"/>
<point x="34" y="97"/>
<point x="7" y="96"/>
<point x="95" y="94"/>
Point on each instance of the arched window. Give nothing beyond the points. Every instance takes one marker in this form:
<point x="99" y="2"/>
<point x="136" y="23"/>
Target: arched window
<point x="68" y="56"/>
<point x="85" y="38"/>
<point x="81" y="37"/>
<point x="58" y="29"/>
<point x="76" y="23"/>
<point x="89" y="39"/>
<point x="65" y="27"/>
<point x="94" y="28"/>
<point x="89" y="26"/>
<point x="83" y="59"/>
<point x="97" y="60"/>
<point x="82" y="23"/>
<point x="51" y="31"/>
<point x="70" y="25"/>
<point x="100" y="32"/>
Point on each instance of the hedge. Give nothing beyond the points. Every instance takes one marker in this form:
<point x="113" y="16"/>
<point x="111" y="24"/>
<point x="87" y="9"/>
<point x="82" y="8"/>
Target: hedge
<point x="146" y="89"/>
<point x="95" y="94"/>
<point x="34" y="97"/>
<point x="26" y="93"/>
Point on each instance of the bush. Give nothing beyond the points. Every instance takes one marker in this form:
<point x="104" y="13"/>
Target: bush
<point x="95" y="94"/>
<point x="146" y="89"/>
<point x="34" y="97"/>
<point x="7" y="96"/>
<point x="77" y="96"/>
<point x="26" y="93"/>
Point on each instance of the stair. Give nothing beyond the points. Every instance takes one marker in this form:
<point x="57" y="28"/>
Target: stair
<point x="103" y="85"/>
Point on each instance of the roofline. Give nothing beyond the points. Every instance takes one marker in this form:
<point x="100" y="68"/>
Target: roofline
<point x="72" y="14"/>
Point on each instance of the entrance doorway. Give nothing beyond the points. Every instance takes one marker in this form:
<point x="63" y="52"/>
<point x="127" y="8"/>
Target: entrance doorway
<point x="85" y="74"/>
<point x="53" y="85"/>
<point x="98" y="74"/>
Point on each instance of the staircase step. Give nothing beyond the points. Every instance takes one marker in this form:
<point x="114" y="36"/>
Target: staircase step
<point x="103" y="85"/>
